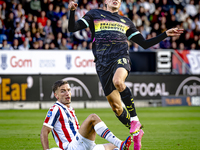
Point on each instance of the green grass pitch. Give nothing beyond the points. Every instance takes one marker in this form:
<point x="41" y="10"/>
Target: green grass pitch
<point x="166" y="128"/>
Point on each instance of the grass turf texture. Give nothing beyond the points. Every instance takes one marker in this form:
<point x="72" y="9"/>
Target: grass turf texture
<point x="174" y="128"/>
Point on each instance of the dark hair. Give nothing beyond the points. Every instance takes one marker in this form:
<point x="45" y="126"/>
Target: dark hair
<point x="58" y="84"/>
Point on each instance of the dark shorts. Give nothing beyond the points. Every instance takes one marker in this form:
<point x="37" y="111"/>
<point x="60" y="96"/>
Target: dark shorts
<point x="106" y="76"/>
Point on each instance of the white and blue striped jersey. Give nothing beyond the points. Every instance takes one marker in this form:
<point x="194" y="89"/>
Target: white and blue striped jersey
<point x="63" y="122"/>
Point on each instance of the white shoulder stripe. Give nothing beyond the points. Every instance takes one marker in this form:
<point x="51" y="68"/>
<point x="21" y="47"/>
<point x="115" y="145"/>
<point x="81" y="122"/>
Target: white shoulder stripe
<point x="48" y="125"/>
<point x="133" y="34"/>
<point x="85" y="22"/>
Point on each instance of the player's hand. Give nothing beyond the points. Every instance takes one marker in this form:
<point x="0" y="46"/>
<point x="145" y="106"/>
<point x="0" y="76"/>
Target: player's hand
<point x="174" y="32"/>
<point x="72" y="5"/>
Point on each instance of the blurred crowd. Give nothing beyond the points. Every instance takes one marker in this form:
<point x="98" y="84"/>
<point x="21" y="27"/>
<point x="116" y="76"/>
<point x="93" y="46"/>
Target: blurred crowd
<point x="43" y="24"/>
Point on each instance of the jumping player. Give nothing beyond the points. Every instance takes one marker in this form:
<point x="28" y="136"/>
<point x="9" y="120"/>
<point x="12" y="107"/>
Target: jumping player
<point x="63" y="123"/>
<point x="110" y="33"/>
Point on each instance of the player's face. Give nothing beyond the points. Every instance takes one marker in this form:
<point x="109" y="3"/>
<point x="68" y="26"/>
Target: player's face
<point x="113" y="4"/>
<point x="63" y="94"/>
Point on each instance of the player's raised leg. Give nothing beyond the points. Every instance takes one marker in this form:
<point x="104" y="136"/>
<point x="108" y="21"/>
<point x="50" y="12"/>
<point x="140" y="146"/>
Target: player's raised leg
<point x="126" y="96"/>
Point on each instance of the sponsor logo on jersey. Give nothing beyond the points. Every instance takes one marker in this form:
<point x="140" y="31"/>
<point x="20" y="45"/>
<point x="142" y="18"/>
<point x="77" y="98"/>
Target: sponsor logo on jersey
<point x="122" y="20"/>
<point x="49" y="114"/>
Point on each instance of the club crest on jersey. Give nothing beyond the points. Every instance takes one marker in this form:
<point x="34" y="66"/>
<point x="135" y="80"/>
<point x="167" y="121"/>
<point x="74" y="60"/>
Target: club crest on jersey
<point x="122" y="20"/>
<point x="49" y="114"/>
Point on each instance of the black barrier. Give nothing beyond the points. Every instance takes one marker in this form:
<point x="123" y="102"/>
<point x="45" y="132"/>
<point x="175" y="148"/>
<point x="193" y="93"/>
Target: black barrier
<point x="143" y="61"/>
<point x="88" y="87"/>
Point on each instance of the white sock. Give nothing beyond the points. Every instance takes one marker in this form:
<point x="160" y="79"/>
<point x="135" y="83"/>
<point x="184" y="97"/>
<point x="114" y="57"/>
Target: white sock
<point x="134" y="118"/>
<point x="103" y="131"/>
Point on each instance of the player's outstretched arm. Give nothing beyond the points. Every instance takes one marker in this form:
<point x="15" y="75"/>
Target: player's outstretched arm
<point x="74" y="26"/>
<point x="139" y="39"/>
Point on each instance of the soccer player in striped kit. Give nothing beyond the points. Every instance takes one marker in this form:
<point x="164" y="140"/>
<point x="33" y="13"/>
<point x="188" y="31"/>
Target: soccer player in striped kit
<point x="63" y="123"/>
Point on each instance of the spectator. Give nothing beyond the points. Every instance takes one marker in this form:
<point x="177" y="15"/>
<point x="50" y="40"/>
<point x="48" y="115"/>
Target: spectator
<point x="69" y="43"/>
<point x="19" y="11"/>
<point x="9" y="25"/>
<point x="50" y="13"/>
<point x="18" y="33"/>
<point x="75" y="47"/>
<point x="82" y="46"/>
<point x="35" y="6"/>
<point x="29" y="19"/>
<point x="49" y="38"/>
<point x="181" y="46"/>
<point x="80" y="36"/>
<point x="13" y="23"/>
<point x="63" y="11"/>
<point x="191" y="9"/>
<point x="89" y="35"/>
<point x="173" y="45"/>
<point x="26" y="28"/>
<point x="5" y="45"/>
<point x="58" y="27"/>
<point x="42" y="19"/>
<point x="63" y="44"/>
<point x="40" y="29"/>
<point x="93" y="4"/>
<point x="137" y="20"/>
<point x="41" y="44"/>
<point x="57" y="13"/>
<point x="48" y="28"/>
<point x="28" y="37"/>
<point x="15" y="45"/>
<point x="24" y="46"/>
<point x="35" y="45"/>
<point x="46" y="46"/>
<point x="90" y="46"/>
<point x="64" y="24"/>
<point x="37" y="37"/>
<point x="58" y="39"/>
<point x="179" y="15"/>
<point x="81" y="11"/>
<point x="33" y="29"/>
<point x="157" y="46"/>
<point x="3" y="11"/>
<point x="35" y="19"/>
<point x="156" y="28"/>
<point x="52" y="46"/>
<point x="152" y="7"/>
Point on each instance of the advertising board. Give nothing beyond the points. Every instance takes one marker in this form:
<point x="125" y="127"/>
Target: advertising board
<point x="19" y="88"/>
<point x="88" y="87"/>
<point x="47" y="62"/>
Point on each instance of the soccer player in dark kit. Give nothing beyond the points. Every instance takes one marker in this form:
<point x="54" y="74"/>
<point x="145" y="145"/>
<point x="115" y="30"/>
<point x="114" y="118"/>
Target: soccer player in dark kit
<point x="110" y="33"/>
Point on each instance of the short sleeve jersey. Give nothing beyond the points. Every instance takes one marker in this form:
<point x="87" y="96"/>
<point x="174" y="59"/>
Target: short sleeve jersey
<point x="63" y="122"/>
<point x="110" y="33"/>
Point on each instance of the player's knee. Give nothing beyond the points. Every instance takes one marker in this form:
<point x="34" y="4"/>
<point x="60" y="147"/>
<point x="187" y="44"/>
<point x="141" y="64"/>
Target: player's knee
<point x="118" y="84"/>
<point x="94" y="118"/>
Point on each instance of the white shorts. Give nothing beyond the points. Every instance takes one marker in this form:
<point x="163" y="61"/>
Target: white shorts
<point x="80" y="143"/>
